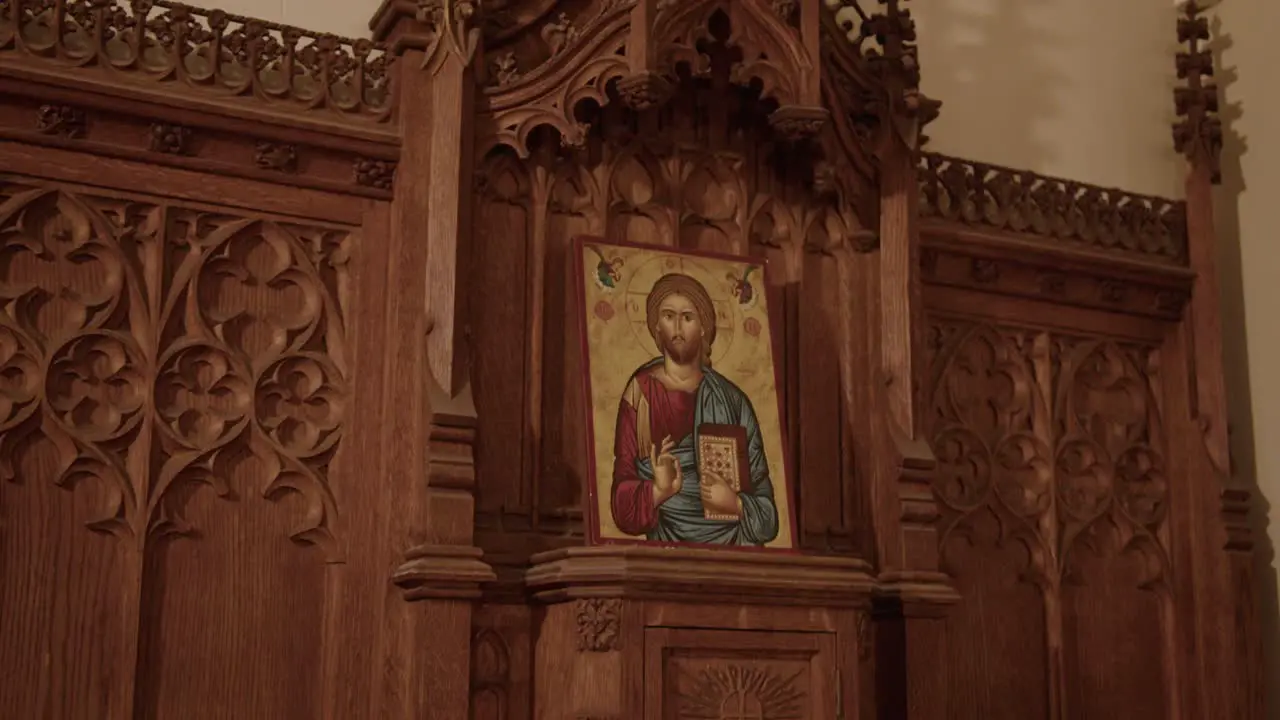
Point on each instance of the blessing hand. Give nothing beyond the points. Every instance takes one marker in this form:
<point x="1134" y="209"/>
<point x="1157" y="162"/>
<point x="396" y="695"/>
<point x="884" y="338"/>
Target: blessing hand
<point x="667" y="476"/>
<point x="718" y="496"/>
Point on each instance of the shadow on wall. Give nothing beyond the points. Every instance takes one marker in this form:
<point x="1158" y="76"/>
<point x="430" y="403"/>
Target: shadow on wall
<point x="1235" y="345"/>
<point x="986" y="61"/>
<point x="348" y="18"/>
<point x="1075" y="89"/>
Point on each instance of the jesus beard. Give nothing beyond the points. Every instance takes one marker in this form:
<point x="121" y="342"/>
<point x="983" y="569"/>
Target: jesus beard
<point x="682" y="353"/>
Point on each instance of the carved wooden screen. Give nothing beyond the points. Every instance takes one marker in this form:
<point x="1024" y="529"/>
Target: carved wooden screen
<point x="1059" y="412"/>
<point x="272" y="425"/>
<point x="183" y="532"/>
<point x="175" y="432"/>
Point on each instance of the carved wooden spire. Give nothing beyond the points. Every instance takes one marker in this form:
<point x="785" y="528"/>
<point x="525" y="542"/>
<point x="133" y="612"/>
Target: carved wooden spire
<point x="898" y="67"/>
<point x="1198" y="135"/>
<point x="885" y="47"/>
<point x="1198" y="132"/>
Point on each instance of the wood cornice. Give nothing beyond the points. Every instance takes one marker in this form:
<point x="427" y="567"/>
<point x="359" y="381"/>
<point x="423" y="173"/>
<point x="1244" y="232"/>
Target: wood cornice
<point x="691" y="574"/>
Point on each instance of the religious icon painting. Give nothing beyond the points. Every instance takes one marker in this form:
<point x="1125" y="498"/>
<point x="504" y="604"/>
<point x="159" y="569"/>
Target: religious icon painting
<point x="684" y="425"/>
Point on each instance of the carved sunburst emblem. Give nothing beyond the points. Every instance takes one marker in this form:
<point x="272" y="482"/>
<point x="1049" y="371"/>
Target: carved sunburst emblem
<point x="734" y="692"/>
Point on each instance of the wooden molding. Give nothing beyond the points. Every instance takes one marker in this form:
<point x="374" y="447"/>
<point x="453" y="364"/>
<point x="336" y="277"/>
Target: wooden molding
<point x="917" y="589"/>
<point x="1003" y="263"/>
<point x="685" y="574"/>
<point x="439" y="572"/>
<point x="92" y="123"/>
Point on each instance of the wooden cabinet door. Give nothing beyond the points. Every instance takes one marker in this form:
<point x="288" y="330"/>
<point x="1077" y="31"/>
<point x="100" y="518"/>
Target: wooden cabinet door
<point x="739" y="675"/>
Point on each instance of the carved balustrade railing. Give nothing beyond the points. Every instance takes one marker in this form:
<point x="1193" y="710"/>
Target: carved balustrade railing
<point x="227" y="58"/>
<point x="1016" y="233"/>
<point x="1062" y="211"/>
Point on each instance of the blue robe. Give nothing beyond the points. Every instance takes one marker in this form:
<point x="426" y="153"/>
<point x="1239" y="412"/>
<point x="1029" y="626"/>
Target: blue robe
<point x="680" y="518"/>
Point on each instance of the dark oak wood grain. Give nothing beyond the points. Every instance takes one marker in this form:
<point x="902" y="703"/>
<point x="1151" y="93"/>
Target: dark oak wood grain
<point x="289" y="378"/>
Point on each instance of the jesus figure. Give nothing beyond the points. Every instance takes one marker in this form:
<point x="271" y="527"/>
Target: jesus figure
<point x="657" y="491"/>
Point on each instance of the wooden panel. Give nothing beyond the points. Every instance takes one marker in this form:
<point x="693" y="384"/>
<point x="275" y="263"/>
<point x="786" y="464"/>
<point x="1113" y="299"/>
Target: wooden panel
<point x="1053" y="478"/>
<point x="727" y="675"/>
<point x="63" y="589"/>
<point x="167" y="136"/>
<point x="501" y="267"/>
<point x="1114" y="494"/>
<point x="555" y="466"/>
<point x="180" y="372"/>
<point x="252" y="196"/>
<point x="990" y="415"/>
<point x="827" y="522"/>
<point x="502" y="663"/>
<point x="998" y="669"/>
<point x="1112" y="630"/>
<point x="241" y="605"/>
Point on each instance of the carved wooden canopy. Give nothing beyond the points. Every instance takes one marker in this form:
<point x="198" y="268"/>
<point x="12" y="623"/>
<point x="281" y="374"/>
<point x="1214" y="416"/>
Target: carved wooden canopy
<point x="840" y="76"/>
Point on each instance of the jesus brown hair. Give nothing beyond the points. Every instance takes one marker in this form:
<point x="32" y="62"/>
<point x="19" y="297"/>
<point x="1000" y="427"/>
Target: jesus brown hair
<point x="683" y="285"/>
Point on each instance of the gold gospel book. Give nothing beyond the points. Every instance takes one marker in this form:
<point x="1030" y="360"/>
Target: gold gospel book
<point x="722" y="450"/>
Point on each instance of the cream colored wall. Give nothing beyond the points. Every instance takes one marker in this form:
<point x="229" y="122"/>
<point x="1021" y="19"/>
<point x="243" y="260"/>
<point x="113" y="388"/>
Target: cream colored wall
<point x="1074" y="88"/>
<point x="349" y="18"/>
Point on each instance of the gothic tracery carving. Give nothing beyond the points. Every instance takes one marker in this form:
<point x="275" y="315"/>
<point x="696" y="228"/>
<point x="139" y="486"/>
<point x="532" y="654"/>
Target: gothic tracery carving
<point x="1059" y="436"/>
<point x="769" y="52"/>
<point x="989" y="408"/>
<point x="452" y="29"/>
<point x="490" y="675"/>
<point x="155" y="345"/>
<point x="1110" y="450"/>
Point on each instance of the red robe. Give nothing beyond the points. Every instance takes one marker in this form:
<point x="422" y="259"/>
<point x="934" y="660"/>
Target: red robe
<point x="670" y="412"/>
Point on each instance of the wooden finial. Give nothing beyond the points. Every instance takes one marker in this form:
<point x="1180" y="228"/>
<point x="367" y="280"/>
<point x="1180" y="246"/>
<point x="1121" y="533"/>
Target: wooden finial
<point x="1198" y="132"/>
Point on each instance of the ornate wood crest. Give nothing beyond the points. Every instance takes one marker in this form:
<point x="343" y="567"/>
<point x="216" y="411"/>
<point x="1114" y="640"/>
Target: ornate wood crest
<point x="824" y="74"/>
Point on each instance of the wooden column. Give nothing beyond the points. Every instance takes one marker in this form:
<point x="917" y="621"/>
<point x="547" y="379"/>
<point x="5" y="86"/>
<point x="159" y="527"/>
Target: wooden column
<point x="913" y="597"/>
<point x="1226" y="616"/>
<point x="429" y="506"/>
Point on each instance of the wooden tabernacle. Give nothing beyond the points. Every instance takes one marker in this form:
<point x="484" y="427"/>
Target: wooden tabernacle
<point x="289" y="419"/>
